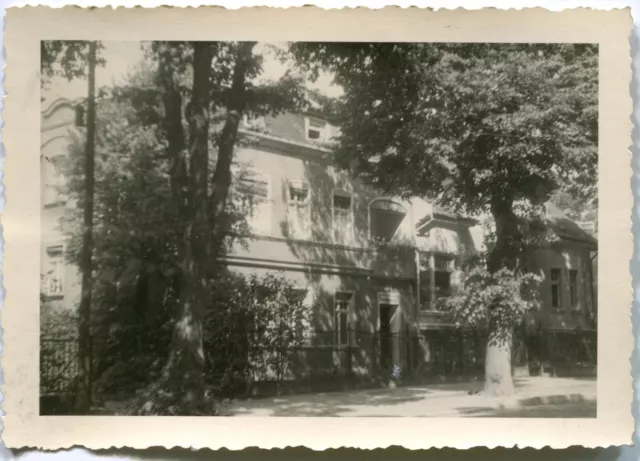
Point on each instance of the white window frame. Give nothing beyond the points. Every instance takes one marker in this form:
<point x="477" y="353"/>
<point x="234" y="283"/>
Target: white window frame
<point x="347" y="311"/>
<point x="554" y="283"/>
<point x="451" y="267"/>
<point x="430" y="259"/>
<point x="249" y="171"/>
<point x="57" y="250"/>
<point x="293" y="205"/>
<point x="351" y="236"/>
<point x="323" y="131"/>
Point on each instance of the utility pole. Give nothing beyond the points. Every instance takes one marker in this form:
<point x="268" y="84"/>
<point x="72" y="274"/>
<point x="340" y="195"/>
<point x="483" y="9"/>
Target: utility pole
<point x="83" y="401"/>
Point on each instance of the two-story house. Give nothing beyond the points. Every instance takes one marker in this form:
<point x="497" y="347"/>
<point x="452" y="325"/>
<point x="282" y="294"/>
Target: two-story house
<point x="372" y="266"/>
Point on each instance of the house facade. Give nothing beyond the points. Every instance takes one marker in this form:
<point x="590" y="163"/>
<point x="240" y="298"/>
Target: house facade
<point x="372" y="266"/>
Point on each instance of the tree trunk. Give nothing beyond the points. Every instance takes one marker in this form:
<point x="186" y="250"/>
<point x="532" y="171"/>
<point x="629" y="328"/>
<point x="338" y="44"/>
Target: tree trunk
<point x="182" y="380"/>
<point x="83" y="398"/>
<point x="222" y="174"/>
<point x="184" y="371"/>
<point x="498" y="379"/>
<point x="505" y="254"/>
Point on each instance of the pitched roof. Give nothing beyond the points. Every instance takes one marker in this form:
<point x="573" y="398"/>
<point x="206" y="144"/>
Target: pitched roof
<point x="566" y="228"/>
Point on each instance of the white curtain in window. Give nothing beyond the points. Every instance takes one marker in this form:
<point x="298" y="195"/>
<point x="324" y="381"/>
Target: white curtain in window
<point x="251" y="196"/>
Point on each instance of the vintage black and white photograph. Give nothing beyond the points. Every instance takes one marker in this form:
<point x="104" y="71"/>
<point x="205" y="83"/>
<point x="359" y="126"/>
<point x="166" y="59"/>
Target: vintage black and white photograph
<point x="319" y="229"/>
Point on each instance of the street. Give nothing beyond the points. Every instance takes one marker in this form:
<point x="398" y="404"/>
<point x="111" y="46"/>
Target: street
<point x="535" y="398"/>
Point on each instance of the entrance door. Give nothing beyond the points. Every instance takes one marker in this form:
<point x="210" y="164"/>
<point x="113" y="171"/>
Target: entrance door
<point x="386" y="336"/>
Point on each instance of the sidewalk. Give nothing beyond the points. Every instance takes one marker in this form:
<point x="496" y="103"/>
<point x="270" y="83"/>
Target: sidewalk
<point x="535" y="397"/>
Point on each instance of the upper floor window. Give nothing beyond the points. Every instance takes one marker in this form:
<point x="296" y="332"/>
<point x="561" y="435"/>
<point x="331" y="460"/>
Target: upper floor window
<point x="53" y="181"/>
<point x="316" y="129"/>
<point x="556" y="288"/>
<point x="444" y="267"/>
<point x="252" y="197"/>
<point x="342" y="217"/>
<point x="299" y="212"/>
<point x="385" y="217"/>
<point x="52" y="279"/>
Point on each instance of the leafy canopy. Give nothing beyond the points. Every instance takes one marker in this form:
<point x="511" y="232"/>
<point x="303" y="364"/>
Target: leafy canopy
<point x="467" y="124"/>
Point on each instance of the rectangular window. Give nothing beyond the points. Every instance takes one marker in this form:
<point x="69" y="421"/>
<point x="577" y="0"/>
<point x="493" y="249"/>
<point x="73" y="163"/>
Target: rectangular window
<point x="54" y="269"/>
<point x="444" y="266"/>
<point x="316" y="129"/>
<point x="342" y="303"/>
<point x="573" y="288"/>
<point x="425" y="289"/>
<point x="252" y="199"/>
<point x="342" y="218"/>
<point x="299" y="213"/>
<point x="556" y="288"/>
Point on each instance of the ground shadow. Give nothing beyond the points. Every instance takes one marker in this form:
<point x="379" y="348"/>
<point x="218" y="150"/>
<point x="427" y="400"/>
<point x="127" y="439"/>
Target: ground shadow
<point x="331" y="404"/>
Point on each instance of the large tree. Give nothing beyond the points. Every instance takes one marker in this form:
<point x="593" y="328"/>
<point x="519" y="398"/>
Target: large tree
<point x="480" y="128"/>
<point x="221" y="88"/>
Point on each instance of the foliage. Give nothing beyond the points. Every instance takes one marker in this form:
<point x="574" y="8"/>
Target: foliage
<point x="478" y="128"/>
<point x="55" y="322"/>
<point x="253" y="326"/>
<point x="139" y="225"/>
<point x="65" y="58"/>
<point x="496" y="301"/>
<point x="485" y="120"/>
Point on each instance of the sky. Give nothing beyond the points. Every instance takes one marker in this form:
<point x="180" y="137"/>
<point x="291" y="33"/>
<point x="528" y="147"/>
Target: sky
<point x="121" y="58"/>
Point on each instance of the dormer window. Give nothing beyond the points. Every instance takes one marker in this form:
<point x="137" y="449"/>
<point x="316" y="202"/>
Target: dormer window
<point x="385" y="217"/>
<point x="316" y="129"/>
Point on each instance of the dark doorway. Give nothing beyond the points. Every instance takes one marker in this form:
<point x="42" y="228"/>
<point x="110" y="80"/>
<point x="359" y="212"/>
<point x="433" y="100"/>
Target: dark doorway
<point x="386" y="336"/>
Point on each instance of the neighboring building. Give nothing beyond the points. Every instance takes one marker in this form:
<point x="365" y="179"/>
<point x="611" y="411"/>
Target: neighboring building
<point x="373" y="266"/>
<point x="60" y="281"/>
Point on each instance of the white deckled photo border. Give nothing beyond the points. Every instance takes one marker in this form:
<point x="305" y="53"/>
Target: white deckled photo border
<point x="21" y="220"/>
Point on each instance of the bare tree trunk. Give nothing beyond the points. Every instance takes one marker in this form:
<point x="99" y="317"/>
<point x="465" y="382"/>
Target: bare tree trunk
<point x="183" y="375"/>
<point x="498" y="380"/>
<point x="83" y="399"/>
<point x="184" y="371"/>
<point x="505" y="254"/>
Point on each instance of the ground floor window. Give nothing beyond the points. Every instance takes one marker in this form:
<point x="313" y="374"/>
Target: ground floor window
<point x="52" y="279"/>
<point x="342" y="305"/>
<point x="436" y="279"/>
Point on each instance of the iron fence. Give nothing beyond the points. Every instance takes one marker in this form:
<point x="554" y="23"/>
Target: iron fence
<point x="451" y="351"/>
<point x="329" y="354"/>
<point x="58" y="365"/>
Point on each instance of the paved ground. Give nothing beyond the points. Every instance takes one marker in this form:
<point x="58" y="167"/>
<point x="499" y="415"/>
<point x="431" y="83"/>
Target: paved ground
<point x="536" y="398"/>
